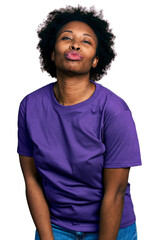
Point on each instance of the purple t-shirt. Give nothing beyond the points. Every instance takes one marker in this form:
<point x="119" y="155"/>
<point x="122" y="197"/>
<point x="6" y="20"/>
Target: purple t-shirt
<point x="71" y="145"/>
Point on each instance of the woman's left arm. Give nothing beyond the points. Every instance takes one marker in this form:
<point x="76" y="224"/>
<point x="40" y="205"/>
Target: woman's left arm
<point x="115" y="183"/>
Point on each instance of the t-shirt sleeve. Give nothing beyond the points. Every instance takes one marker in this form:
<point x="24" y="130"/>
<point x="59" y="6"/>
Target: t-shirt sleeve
<point x="121" y="142"/>
<point x="25" y="144"/>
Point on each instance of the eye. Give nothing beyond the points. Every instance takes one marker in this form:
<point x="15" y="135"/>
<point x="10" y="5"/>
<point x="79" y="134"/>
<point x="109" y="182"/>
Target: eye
<point x="86" y="41"/>
<point x="65" y="38"/>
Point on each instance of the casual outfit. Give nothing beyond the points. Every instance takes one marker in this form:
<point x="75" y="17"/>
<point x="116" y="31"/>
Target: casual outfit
<point x="71" y="145"/>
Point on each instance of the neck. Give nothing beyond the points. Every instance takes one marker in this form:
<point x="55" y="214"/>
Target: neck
<point x="71" y="90"/>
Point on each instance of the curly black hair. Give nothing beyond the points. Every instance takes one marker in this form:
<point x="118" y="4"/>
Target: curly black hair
<point x="47" y="32"/>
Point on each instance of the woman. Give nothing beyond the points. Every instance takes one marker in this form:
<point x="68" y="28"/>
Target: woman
<point x="77" y="139"/>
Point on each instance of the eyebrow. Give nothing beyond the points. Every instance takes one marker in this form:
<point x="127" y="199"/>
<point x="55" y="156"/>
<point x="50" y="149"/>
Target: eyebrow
<point x="85" y="34"/>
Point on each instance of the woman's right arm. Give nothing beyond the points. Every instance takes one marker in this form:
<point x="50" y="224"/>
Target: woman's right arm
<point x="36" y="201"/>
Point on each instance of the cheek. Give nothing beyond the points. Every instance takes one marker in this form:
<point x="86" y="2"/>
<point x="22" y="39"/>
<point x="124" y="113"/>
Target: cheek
<point x="90" y="53"/>
<point x="90" y="58"/>
<point x="59" y="51"/>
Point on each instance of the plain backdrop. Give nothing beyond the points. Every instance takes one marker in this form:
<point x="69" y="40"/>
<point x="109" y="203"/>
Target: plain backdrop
<point x="133" y="76"/>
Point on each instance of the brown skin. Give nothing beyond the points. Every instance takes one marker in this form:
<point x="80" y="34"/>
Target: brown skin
<point x="73" y="86"/>
<point x="36" y="201"/>
<point x="115" y="183"/>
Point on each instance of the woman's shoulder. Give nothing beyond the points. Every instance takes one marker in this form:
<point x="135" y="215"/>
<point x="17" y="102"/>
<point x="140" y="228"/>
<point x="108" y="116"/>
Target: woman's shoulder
<point x="35" y="94"/>
<point x="113" y="103"/>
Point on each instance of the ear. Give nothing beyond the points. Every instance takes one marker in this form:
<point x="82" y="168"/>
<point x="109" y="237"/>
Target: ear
<point x="53" y="56"/>
<point x="95" y="61"/>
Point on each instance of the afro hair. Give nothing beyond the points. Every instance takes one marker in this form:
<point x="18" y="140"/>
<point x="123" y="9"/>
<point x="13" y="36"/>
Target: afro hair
<point x="47" y="32"/>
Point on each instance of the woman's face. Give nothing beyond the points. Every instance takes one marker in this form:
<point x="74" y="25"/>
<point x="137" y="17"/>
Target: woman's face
<point x="75" y="49"/>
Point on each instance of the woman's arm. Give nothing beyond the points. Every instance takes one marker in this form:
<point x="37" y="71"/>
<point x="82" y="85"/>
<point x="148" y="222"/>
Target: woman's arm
<point x="115" y="183"/>
<point x="36" y="201"/>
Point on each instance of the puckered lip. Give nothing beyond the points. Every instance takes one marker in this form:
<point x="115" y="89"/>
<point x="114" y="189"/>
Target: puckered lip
<point x="73" y="55"/>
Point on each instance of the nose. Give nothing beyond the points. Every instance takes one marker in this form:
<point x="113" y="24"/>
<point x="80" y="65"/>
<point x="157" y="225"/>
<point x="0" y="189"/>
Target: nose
<point x="75" y="46"/>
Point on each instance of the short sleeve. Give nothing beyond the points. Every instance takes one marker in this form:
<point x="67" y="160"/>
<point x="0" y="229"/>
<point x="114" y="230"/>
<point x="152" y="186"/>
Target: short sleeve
<point x="25" y="144"/>
<point x="121" y="142"/>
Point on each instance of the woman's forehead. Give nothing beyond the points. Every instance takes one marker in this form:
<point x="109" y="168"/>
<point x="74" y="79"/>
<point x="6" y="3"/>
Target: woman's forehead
<point x="78" y="26"/>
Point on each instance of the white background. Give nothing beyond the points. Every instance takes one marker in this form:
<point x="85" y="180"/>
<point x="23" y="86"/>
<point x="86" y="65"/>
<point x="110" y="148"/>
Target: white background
<point x="133" y="76"/>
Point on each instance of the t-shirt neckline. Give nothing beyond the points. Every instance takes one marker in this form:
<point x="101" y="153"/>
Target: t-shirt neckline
<point x="75" y="106"/>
